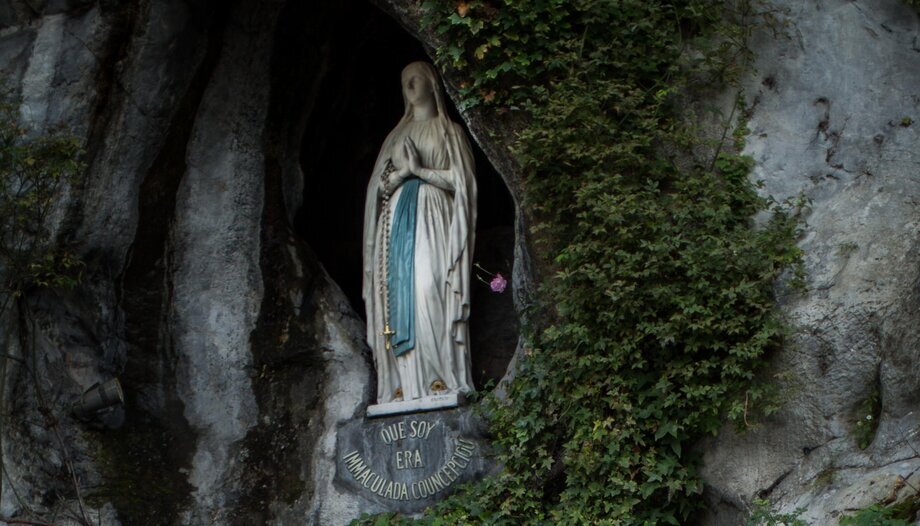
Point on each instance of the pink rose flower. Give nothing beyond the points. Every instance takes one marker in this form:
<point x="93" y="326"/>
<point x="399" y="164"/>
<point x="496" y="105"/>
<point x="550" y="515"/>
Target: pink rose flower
<point x="498" y="283"/>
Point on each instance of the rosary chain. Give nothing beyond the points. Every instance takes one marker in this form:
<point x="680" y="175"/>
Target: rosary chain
<point x="383" y="258"/>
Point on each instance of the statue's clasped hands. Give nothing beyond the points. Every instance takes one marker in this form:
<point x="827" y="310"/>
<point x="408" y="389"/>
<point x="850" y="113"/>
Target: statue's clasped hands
<point x="413" y="166"/>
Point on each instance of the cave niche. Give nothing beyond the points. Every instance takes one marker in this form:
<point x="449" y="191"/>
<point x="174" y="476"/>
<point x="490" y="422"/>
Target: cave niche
<point x="355" y="100"/>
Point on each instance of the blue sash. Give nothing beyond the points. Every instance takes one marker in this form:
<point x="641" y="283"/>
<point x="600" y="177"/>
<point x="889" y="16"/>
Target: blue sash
<point x="401" y="268"/>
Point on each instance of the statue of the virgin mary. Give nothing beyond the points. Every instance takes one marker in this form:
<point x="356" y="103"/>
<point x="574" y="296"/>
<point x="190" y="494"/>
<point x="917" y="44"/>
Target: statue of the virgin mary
<point x="420" y="217"/>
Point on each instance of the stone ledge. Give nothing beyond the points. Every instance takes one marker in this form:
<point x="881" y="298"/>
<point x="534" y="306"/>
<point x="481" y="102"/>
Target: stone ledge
<point x="428" y="403"/>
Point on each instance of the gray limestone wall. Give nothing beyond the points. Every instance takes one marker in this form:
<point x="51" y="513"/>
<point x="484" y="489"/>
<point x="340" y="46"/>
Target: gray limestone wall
<point x="219" y="321"/>
<point x="834" y="100"/>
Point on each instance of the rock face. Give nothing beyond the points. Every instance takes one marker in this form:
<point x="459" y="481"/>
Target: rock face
<point x="834" y="102"/>
<point x="240" y="356"/>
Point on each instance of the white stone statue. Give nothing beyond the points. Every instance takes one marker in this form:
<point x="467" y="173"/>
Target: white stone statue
<point x="419" y="222"/>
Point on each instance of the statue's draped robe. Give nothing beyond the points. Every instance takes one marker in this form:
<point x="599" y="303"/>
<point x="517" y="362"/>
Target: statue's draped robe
<point x="443" y="244"/>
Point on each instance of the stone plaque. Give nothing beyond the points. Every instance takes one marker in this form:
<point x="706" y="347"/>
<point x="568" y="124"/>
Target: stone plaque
<point x="408" y="462"/>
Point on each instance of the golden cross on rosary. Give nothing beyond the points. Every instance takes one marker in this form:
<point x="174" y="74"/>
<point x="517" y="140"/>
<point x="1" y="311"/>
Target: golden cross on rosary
<point x="388" y="333"/>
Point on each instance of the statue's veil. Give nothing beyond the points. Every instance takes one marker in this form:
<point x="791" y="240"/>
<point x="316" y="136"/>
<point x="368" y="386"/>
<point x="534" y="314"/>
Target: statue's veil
<point x="434" y="81"/>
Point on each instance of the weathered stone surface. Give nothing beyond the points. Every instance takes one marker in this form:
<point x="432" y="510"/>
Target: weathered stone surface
<point x="150" y="90"/>
<point x="347" y="370"/>
<point x="217" y="282"/>
<point x="832" y="104"/>
<point x="54" y="63"/>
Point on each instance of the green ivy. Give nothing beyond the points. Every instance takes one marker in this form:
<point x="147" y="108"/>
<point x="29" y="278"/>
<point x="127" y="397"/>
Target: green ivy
<point x="34" y="171"/>
<point x="867" y="417"/>
<point x="660" y="308"/>
<point x="899" y="514"/>
<point x="763" y="516"/>
<point x="877" y="515"/>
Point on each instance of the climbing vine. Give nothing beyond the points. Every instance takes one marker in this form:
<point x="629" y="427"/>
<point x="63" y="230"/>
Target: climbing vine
<point x="660" y="307"/>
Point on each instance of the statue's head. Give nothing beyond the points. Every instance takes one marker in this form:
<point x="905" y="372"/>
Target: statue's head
<point x="420" y="84"/>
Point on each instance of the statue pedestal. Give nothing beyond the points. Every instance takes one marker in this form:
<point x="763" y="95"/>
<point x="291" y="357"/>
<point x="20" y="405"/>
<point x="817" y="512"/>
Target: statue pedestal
<point x="428" y="403"/>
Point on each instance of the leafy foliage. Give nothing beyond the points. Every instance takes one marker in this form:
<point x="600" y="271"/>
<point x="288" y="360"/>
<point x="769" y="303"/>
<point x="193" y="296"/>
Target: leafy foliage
<point x="762" y="516"/>
<point x="660" y="310"/>
<point x="875" y="516"/>
<point x="867" y="417"/>
<point x="34" y="170"/>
